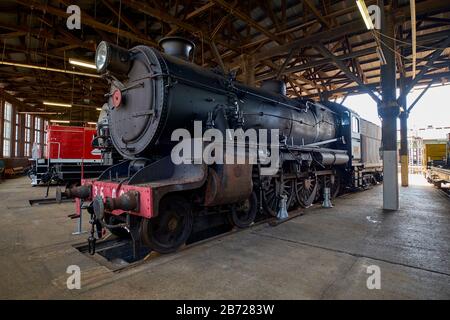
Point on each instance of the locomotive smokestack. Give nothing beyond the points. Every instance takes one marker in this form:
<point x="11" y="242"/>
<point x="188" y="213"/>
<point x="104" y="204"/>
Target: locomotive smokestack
<point x="178" y="47"/>
<point x="275" y="86"/>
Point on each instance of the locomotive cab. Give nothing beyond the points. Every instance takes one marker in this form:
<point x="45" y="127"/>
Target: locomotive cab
<point x="356" y="138"/>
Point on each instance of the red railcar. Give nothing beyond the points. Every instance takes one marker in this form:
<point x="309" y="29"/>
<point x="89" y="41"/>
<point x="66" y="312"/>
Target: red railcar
<point x="71" y="143"/>
<point x="69" y="156"/>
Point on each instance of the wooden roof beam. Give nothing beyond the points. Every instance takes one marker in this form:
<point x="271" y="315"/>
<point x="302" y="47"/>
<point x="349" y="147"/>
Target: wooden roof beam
<point x="327" y="54"/>
<point x="317" y="13"/>
<point x="194" y="30"/>
<point x="430" y="60"/>
<point x="123" y="18"/>
<point x="356" y="26"/>
<point x="316" y="63"/>
<point x="86" y="20"/>
<point x="217" y="56"/>
<point x="12" y="99"/>
<point x="199" y="10"/>
<point x="247" y="19"/>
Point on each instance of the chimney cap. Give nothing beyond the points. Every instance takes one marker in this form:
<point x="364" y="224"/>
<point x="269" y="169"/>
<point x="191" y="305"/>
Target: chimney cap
<point x="177" y="46"/>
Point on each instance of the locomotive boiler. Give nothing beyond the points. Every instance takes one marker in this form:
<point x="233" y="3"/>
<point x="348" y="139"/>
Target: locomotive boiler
<point x="156" y="201"/>
<point x="164" y="91"/>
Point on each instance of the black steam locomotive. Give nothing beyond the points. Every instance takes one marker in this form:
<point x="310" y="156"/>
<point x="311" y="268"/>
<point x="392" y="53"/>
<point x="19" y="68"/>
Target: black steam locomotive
<point x="318" y="145"/>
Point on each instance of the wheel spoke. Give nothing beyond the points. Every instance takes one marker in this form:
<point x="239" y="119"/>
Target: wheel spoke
<point x="306" y="190"/>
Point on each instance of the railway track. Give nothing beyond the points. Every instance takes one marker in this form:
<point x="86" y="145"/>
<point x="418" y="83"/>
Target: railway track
<point x="445" y="192"/>
<point x="117" y="254"/>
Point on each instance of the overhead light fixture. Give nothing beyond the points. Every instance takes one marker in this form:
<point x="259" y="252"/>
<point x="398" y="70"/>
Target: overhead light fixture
<point x="93" y="123"/>
<point x="365" y="14"/>
<point x="59" y="121"/>
<point x="98" y="109"/>
<point x="57" y="104"/>
<point x="30" y="66"/>
<point x="38" y="112"/>
<point x="82" y="63"/>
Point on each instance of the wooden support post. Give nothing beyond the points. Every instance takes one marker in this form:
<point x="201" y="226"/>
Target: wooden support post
<point x="42" y="137"/>
<point x="404" y="161"/>
<point x="21" y="144"/>
<point x="13" y="131"/>
<point x="404" y="147"/>
<point x="2" y="103"/>
<point x="30" y="153"/>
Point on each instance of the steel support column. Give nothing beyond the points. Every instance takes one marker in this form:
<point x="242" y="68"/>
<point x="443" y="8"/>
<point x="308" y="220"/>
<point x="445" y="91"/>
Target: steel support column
<point x="389" y="111"/>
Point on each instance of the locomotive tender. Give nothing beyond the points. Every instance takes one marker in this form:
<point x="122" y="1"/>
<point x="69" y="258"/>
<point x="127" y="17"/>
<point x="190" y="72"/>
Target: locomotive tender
<point x="321" y="145"/>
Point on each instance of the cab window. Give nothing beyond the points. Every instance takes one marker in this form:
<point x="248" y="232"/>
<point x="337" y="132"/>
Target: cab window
<point x="346" y="119"/>
<point x="355" y="124"/>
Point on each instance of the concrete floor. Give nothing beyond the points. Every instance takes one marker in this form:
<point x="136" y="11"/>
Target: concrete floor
<point x="321" y="255"/>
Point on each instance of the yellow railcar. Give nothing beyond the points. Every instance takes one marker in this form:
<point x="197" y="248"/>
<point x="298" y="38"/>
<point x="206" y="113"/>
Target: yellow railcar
<point x="434" y="152"/>
<point x="437" y="163"/>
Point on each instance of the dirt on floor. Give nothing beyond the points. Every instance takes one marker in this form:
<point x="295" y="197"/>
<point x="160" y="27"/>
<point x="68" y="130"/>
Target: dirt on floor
<point x="333" y="253"/>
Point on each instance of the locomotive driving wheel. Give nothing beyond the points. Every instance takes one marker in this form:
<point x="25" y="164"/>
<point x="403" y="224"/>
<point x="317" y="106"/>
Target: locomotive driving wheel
<point x="306" y="190"/>
<point x="243" y="214"/>
<point x="273" y="189"/>
<point x="171" y="228"/>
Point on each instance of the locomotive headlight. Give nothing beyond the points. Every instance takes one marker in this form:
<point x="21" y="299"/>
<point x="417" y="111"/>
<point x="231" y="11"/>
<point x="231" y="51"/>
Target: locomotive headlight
<point x="101" y="56"/>
<point x="109" y="57"/>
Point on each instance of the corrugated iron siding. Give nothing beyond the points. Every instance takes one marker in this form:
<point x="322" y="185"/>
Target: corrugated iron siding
<point x="370" y="143"/>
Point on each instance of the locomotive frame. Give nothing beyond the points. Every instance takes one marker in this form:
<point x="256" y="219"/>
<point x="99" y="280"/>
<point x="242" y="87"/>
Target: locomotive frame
<point x="156" y="202"/>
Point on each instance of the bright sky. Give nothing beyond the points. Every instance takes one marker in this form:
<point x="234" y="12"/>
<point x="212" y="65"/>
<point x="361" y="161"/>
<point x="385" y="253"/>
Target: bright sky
<point x="432" y="109"/>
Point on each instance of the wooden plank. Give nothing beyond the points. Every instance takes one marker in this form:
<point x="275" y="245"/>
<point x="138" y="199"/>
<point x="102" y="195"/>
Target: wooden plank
<point x="199" y="10"/>
<point x="217" y="56"/>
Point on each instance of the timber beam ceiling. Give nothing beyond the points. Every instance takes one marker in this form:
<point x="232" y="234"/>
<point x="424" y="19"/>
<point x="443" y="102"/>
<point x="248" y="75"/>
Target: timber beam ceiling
<point x="321" y="48"/>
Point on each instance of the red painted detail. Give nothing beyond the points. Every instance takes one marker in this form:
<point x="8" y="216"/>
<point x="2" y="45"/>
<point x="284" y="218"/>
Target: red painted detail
<point x="66" y="142"/>
<point x="114" y="190"/>
<point x="117" y="98"/>
<point x="77" y="206"/>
